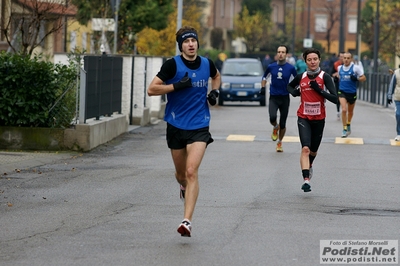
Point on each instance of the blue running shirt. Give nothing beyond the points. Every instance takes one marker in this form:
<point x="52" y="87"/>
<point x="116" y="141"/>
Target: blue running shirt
<point x="188" y="108"/>
<point x="345" y="83"/>
<point x="280" y="75"/>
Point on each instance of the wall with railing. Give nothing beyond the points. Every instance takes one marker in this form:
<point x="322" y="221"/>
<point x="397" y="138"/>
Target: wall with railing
<point x="136" y="105"/>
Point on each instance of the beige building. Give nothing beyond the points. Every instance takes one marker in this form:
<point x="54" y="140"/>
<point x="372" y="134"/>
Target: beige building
<point x="15" y="14"/>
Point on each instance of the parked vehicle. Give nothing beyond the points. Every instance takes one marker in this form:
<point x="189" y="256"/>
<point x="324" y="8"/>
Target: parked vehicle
<point x="241" y="81"/>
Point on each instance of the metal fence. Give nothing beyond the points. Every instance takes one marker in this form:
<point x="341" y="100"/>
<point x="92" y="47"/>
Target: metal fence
<point x="63" y="112"/>
<point x="375" y="88"/>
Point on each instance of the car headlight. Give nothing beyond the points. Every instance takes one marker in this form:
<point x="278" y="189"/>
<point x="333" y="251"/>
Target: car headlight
<point x="225" y="85"/>
<point x="257" y="85"/>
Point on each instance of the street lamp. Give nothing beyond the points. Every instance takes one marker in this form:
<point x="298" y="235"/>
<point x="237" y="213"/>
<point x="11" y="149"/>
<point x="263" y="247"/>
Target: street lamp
<point x="358" y="36"/>
<point x="179" y="23"/>
<point x="116" y="9"/>
<point x="294" y="27"/>
<point x="376" y="38"/>
<point x="376" y="51"/>
<point x="308" y="19"/>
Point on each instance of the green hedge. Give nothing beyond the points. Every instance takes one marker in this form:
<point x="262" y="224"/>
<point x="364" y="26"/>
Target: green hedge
<point x="34" y="93"/>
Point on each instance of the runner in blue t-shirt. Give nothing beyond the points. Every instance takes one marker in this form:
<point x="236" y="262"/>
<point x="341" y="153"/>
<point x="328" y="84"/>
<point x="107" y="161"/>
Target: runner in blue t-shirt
<point x="348" y="75"/>
<point x="279" y="74"/>
<point x="184" y="78"/>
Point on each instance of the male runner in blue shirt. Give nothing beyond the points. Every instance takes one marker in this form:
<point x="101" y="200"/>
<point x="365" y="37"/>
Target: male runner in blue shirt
<point x="348" y="75"/>
<point x="280" y="74"/>
<point x="184" y="78"/>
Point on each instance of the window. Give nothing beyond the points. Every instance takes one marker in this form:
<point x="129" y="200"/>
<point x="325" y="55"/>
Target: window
<point x="352" y="24"/>
<point x="222" y="8"/>
<point x="321" y="23"/>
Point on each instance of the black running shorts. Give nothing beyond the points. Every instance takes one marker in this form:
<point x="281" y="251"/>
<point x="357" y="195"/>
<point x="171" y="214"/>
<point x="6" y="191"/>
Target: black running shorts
<point x="350" y="97"/>
<point x="178" y="138"/>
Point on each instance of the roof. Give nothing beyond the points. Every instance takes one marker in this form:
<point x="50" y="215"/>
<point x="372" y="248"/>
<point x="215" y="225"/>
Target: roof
<point x="49" y="7"/>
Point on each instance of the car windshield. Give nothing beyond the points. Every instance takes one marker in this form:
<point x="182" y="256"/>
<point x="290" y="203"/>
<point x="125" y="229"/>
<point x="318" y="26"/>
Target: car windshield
<point x="242" y="69"/>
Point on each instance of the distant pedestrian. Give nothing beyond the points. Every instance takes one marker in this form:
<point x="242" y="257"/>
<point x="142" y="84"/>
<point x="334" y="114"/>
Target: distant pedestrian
<point x="314" y="87"/>
<point x="300" y="66"/>
<point x="334" y="74"/>
<point x="267" y="60"/>
<point x="326" y="65"/>
<point x="220" y="61"/>
<point x="357" y="62"/>
<point x="184" y="78"/>
<point x="349" y="74"/>
<point x="394" y="94"/>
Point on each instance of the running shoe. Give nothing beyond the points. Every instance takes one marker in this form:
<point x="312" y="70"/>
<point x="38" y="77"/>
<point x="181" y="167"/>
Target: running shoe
<point x="311" y="172"/>
<point x="182" y="193"/>
<point x="185" y="228"/>
<point x="274" y="135"/>
<point x="306" y="185"/>
<point x="348" y="130"/>
<point x="279" y="147"/>
<point x="344" y="133"/>
<point x="397" y="138"/>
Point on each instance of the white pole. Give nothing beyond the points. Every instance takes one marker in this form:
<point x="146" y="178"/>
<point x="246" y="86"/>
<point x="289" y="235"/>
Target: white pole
<point x="116" y="26"/>
<point x="179" y="22"/>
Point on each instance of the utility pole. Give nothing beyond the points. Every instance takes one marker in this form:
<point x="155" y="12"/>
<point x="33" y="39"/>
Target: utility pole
<point x="308" y="19"/>
<point x="294" y="27"/>
<point x="341" y="26"/>
<point x="376" y="51"/>
<point x="358" y="36"/>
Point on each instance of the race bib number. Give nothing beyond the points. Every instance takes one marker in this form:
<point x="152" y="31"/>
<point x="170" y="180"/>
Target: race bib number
<point x="312" y="108"/>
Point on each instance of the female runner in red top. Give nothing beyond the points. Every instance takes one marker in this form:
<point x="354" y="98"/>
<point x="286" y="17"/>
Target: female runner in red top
<point x="313" y="86"/>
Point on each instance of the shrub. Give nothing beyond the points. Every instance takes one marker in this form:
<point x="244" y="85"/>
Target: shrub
<point x="30" y="89"/>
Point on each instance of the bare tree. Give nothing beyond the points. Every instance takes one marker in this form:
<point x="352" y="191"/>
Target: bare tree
<point x="333" y="12"/>
<point x="333" y="17"/>
<point x="30" y="22"/>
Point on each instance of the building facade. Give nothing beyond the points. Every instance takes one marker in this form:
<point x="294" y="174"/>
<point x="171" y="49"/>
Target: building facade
<point x="317" y="20"/>
<point x="54" y="17"/>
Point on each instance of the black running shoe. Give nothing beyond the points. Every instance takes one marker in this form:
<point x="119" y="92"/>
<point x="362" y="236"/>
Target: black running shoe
<point x="306" y="186"/>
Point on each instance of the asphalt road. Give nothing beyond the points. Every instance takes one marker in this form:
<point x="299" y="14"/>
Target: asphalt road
<point x="119" y="204"/>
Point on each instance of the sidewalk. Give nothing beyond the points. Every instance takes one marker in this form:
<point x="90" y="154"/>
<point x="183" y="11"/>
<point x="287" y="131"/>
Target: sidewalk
<point x="11" y="161"/>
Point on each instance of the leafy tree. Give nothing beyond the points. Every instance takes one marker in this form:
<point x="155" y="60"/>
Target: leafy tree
<point x="253" y="28"/>
<point x="389" y="26"/>
<point x="263" y="7"/>
<point x="163" y="42"/>
<point x="92" y="9"/>
<point x="133" y="16"/>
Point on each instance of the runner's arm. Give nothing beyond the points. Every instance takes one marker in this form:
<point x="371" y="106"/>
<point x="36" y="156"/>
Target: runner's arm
<point x="330" y="86"/>
<point x="293" y="86"/>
